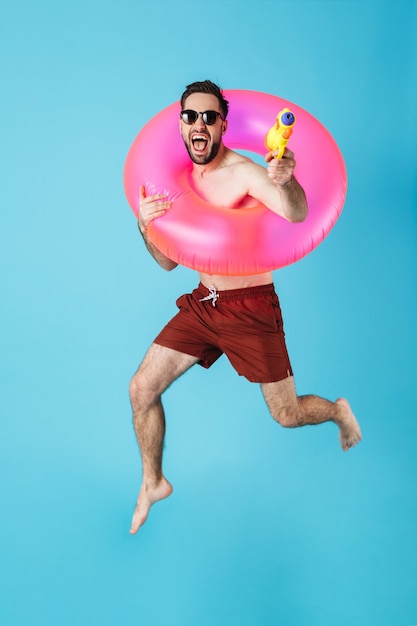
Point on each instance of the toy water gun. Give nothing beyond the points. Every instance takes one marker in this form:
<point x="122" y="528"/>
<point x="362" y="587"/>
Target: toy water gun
<point x="277" y="137"/>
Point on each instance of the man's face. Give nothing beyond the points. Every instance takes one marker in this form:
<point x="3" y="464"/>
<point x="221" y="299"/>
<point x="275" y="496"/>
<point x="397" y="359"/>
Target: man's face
<point x="201" y="140"/>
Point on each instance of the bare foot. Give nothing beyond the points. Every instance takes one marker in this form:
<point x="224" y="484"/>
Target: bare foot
<point x="148" y="495"/>
<point x="350" y="432"/>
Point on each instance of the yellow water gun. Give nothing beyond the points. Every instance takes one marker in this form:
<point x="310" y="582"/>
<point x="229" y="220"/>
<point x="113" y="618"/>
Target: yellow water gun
<point x="277" y="137"/>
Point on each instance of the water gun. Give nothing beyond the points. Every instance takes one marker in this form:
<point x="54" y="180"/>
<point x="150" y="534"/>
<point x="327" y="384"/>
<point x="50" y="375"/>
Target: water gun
<point x="277" y="137"/>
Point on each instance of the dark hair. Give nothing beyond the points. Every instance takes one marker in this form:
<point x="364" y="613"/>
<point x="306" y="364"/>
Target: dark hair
<point x="206" y="86"/>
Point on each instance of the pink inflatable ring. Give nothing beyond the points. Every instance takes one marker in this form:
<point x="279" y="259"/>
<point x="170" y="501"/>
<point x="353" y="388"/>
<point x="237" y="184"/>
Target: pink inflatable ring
<point x="219" y="240"/>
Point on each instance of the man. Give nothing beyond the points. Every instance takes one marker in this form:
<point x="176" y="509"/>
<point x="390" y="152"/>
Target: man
<point x="236" y="315"/>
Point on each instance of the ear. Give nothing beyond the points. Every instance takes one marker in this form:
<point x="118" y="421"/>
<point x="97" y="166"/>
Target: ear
<point x="224" y="126"/>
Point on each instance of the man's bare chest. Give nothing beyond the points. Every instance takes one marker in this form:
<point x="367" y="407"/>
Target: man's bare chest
<point x="223" y="190"/>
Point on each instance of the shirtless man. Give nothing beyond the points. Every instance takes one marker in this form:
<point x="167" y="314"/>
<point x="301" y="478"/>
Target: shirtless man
<point x="253" y="339"/>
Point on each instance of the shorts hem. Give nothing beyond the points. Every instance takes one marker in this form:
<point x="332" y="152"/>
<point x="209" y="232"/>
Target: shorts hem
<point x="166" y="344"/>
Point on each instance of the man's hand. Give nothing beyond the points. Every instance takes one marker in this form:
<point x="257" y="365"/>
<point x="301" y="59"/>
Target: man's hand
<point x="150" y="207"/>
<point x="280" y="171"/>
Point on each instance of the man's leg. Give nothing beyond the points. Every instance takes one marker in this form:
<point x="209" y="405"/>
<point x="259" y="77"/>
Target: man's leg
<point x="292" y="411"/>
<point x="160" y="367"/>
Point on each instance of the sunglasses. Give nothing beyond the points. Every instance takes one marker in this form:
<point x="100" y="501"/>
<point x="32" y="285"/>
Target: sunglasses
<point x="209" y="117"/>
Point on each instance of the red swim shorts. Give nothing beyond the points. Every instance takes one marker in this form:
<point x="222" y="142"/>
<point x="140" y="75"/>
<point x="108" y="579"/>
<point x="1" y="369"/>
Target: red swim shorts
<point x="245" y="324"/>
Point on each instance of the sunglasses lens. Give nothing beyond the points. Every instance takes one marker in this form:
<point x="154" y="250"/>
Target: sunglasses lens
<point x="210" y="117"/>
<point x="189" y="116"/>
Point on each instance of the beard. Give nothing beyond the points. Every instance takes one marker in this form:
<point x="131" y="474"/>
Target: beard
<point x="203" y="159"/>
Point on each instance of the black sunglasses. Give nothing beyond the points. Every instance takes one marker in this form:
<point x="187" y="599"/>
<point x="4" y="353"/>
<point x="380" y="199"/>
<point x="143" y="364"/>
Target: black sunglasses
<point x="209" y="117"/>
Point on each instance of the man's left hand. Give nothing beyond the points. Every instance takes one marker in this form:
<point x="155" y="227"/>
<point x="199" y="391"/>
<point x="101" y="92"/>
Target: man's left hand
<point x="280" y="171"/>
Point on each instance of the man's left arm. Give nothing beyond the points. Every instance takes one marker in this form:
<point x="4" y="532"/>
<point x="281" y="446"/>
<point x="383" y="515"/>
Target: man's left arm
<point x="278" y="188"/>
<point x="281" y="173"/>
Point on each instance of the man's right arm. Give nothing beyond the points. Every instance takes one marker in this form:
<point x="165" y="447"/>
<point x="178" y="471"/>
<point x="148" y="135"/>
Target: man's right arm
<point x="165" y="262"/>
<point x="149" y="208"/>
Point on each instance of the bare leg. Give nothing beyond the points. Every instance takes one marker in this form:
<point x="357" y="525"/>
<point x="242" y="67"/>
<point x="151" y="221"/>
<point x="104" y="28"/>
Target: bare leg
<point x="160" y="367"/>
<point x="292" y="411"/>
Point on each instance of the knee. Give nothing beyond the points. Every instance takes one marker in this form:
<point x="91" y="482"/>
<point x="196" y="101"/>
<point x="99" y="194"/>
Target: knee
<point x="287" y="416"/>
<point x="142" y="395"/>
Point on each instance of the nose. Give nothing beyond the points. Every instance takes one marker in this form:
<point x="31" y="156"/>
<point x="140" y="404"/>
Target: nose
<point x="200" y="120"/>
<point x="199" y="123"/>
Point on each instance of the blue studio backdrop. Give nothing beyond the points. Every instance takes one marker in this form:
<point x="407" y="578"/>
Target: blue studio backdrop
<point x="266" y="526"/>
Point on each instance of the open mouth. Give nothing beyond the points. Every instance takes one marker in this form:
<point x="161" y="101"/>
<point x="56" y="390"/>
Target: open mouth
<point x="199" y="142"/>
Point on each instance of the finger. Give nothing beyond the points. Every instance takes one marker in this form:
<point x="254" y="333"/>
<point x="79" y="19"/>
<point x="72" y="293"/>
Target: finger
<point x="160" y="212"/>
<point x="142" y="196"/>
<point x="288" y="154"/>
<point x="282" y="165"/>
<point x="158" y="196"/>
<point x="278" y="166"/>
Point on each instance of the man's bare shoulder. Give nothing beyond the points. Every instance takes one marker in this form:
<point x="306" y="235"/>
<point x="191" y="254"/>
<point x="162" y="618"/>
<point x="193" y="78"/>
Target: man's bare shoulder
<point x="233" y="157"/>
<point x="242" y="163"/>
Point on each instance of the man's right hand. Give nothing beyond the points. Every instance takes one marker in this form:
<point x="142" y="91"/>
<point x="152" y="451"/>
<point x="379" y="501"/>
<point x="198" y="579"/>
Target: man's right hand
<point x="150" y="207"/>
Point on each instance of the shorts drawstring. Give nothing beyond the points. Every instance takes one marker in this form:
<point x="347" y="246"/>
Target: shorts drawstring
<point x="213" y="296"/>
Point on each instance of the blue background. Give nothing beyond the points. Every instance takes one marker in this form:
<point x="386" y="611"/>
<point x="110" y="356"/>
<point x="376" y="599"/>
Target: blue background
<point x="266" y="526"/>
